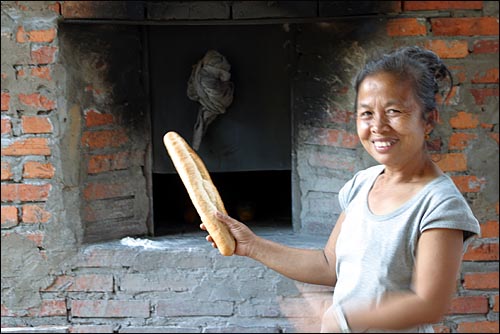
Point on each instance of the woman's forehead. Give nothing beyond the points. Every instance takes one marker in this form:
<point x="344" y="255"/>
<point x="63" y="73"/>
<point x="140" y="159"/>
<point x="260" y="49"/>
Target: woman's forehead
<point x="386" y="89"/>
<point x="387" y="83"/>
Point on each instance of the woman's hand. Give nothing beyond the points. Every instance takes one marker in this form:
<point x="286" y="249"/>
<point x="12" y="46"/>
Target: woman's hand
<point x="242" y="234"/>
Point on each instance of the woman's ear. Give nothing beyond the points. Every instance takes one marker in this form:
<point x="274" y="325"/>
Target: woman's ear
<point x="432" y="118"/>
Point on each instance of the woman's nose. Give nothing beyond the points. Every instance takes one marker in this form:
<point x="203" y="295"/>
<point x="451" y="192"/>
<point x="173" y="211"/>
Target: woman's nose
<point x="379" y="123"/>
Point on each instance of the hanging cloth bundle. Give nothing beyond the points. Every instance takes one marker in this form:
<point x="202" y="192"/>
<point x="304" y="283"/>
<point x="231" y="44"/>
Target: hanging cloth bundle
<point x="209" y="85"/>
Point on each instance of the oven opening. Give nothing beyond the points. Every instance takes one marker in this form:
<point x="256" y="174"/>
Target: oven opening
<point x="247" y="148"/>
<point x="257" y="198"/>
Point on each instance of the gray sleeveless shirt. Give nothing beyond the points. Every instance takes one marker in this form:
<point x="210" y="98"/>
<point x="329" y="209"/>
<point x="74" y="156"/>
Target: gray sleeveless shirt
<point x="376" y="253"/>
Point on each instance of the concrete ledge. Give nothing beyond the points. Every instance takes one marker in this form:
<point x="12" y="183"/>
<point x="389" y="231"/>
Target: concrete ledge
<point x="41" y="329"/>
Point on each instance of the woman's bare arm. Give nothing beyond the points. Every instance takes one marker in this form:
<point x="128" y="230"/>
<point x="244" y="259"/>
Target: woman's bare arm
<point x="304" y="265"/>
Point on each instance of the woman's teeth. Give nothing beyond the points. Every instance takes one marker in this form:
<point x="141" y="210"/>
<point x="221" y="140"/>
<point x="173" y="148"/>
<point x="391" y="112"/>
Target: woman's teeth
<point x="382" y="144"/>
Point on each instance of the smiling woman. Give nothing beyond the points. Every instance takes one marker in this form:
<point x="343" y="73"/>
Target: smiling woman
<point x="402" y="222"/>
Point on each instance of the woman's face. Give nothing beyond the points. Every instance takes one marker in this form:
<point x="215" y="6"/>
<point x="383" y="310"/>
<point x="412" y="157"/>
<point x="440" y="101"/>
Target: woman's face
<point x="389" y="120"/>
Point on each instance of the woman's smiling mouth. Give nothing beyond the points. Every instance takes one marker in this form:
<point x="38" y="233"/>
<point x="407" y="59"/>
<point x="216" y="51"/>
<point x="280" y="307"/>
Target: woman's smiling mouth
<point x="383" y="145"/>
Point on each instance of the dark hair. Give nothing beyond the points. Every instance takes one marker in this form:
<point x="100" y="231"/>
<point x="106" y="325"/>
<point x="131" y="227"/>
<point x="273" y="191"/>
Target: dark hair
<point x="423" y="67"/>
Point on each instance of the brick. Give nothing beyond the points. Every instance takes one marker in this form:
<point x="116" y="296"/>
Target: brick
<point x="108" y="162"/>
<point x="461" y="140"/>
<point x="333" y="137"/>
<point x="468" y="183"/>
<point x="36" y="124"/>
<point x="481" y="281"/>
<point x="95" y="118"/>
<point x="451" y="162"/>
<point x="55" y="7"/>
<point x="50" y="308"/>
<point x="34" y="214"/>
<point x="459" y="73"/>
<point x="406" y="27"/>
<point x="42" y="72"/>
<point x="482" y="95"/>
<point x="6" y="126"/>
<point x="186" y="307"/>
<point x="101" y="9"/>
<point x="441" y="5"/>
<point x="341" y="117"/>
<point x="464" y="120"/>
<point x="25" y="192"/>
<point x="6" y="171"/>
<point x="494" y="136"/>
<point x="495" y="304"/>
<point x="27" y="146"/>
<point x="332" y="161"/>
<point x="478" y="327"/>
<point x="42" y="36"/>
<point x="38" y="170"/>
<point x="104" y="139"/>
<point x="47" y="308"/>
<point x="37" y="36"/>
<point x="82" y="283"/>
<point x="104" y="210"/>
<point x="95" y="329"/>
<point x="7" y="312"/>
<point x="35" y="237"/>
<point x="488" y="76"/>
<point x="132" y="283"/>
<point x="116" y="258"/>
<point x="5" y="101"/>
<point x="20" y="73"/>
<point x="469" y="305"/>
<point x="110" y="308"/>
<point x="465" y="26"/>
<point x="43" y="55"/>
<point x="448" y="49"/>
<point x="483" y="252"/>
<point x="95" y="191"/>
<point x="21" y="36"/>
<point x="485" y="46"/>
<point x="9" y="216"/>
<point x="191" y="328"/>
<point x="489" y="229"/>
<point x="489" y="126"/>
<point x="37" y="101"/>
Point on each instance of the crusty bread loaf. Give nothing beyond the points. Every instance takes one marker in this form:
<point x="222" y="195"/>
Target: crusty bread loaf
<point x="201" y="190"/>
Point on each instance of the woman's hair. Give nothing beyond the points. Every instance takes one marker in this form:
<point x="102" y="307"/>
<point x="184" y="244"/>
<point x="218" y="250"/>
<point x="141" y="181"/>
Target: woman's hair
<point x="423" y="68"/>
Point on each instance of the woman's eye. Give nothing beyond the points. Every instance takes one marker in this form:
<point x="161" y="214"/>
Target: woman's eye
<point x="393" y="111"/>
<point x="365" y="114"/>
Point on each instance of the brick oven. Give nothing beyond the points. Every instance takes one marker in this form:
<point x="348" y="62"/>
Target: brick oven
<point x="98" y="234"/>
<point x="128" y="84"/>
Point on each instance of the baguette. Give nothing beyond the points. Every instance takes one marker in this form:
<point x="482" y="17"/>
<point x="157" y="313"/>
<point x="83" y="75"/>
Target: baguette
<point x="201" y="190"/>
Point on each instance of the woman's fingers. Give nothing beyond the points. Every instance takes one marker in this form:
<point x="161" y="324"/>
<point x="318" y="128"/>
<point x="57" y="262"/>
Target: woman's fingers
<point x="226" y="219"/>
<point x="208" y="237"/>
<point x="230" y="222"/>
